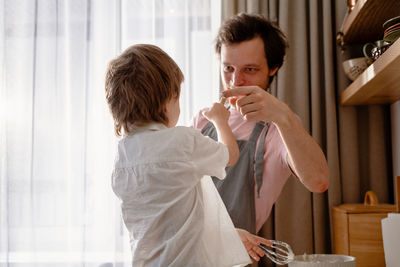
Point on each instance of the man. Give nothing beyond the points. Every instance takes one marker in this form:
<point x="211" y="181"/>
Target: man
<point x="273" y="144"/>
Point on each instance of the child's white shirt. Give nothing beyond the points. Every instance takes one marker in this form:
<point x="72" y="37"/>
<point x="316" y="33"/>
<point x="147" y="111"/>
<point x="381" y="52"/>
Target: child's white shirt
<point x="170" y="205"/>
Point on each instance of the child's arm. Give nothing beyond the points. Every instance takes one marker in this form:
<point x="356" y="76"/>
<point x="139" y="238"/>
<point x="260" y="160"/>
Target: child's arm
<point x="219" y="116"/>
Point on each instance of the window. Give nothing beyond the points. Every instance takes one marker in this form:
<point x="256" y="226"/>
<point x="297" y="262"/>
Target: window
<point x="56" y="135"/>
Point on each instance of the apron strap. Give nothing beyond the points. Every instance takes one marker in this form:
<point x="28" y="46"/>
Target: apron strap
<point x="259" y="155"/>
<point x="210" y="131"/>
<point x="259" y="159"/>
<point x="258" y="128"/>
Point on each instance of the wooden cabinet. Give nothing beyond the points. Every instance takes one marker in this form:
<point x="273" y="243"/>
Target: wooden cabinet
<point x="380" y="82"/>
<point x="357" y="228"/>
<point x="357" y="231"/>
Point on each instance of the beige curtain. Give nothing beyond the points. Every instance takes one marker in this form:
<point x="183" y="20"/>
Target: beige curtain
<point x="356" y="140"/>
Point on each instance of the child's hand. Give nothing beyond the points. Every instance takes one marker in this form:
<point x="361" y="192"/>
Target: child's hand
<point x="251" y="243"/>
<point x="218" y="112"/>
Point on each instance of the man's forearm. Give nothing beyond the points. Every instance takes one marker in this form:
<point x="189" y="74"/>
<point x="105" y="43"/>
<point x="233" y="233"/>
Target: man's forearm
<point x="305" y="156"/>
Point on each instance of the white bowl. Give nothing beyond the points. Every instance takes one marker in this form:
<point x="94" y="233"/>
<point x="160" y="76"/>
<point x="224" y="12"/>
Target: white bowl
<point x="355" y="66"/>
<point x="323" y="260"/>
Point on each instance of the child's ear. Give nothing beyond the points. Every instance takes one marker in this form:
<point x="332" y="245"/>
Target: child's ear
<point x="167" y="106"/>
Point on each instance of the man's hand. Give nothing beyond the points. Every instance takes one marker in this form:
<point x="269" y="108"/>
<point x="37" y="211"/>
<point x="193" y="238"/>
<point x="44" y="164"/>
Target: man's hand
<point x="251" y="243"/>
<point x="305" y="156"/>
<point x="254" y="103"/>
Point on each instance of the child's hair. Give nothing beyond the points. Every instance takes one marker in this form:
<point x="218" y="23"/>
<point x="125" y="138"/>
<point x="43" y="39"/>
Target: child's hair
<point x="138" y="84"/>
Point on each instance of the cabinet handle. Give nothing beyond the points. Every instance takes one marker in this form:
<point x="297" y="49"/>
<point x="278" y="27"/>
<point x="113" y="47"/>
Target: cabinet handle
<point x="370" y="198"/>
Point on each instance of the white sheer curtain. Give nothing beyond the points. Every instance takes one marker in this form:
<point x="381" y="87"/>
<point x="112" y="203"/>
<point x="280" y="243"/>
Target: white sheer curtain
<point x="56" y="136"/>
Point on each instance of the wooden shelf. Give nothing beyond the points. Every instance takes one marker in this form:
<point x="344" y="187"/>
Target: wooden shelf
<point x="379" y="83"/>
<point x="364" y="23"/>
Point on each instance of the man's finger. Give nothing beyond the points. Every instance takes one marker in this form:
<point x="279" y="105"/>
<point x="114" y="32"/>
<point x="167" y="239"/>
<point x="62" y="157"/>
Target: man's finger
<point x="239" y="91"/>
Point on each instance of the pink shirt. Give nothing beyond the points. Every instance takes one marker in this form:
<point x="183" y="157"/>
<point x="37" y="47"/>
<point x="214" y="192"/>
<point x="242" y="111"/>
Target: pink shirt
<point x="276" y="170"/>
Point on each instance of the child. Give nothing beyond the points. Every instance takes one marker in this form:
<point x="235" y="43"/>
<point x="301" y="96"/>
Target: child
<point x="170" y="206"/>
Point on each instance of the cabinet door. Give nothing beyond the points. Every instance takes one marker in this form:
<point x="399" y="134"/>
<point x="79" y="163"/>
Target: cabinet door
<point x="365" y="239"/>
<point x="340" y="231"/>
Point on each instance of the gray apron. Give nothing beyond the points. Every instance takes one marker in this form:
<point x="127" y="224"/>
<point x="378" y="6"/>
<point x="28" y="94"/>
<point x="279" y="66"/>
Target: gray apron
<point x="237" y="189"/>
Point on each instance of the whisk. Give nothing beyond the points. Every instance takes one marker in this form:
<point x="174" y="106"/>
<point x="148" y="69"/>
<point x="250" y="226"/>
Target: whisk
<point x="279" y="252"/>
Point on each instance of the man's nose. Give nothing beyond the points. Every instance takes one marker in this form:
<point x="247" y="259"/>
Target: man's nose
<point x="237" y="79"/>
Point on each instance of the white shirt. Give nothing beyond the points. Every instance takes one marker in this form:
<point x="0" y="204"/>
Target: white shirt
<point x="175" y="217"/>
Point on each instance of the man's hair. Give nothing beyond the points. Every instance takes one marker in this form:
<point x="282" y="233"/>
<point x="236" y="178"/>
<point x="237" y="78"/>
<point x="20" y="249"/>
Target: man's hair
<point x="138" y="84"/>
<point x="244" y="27"/>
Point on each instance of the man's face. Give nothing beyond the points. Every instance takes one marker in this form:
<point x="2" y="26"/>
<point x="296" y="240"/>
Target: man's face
<point x="244" y="64"/>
